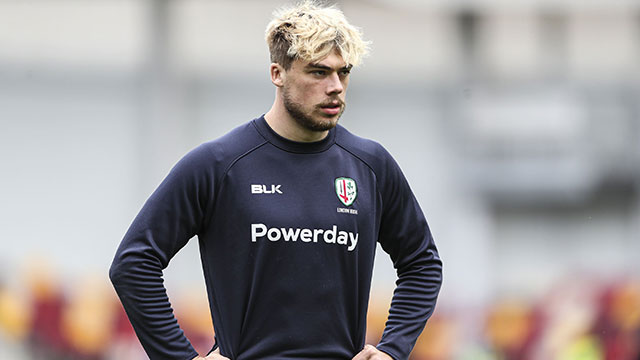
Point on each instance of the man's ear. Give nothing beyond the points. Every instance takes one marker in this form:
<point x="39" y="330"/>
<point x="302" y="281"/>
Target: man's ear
<point x="278" y="73"/>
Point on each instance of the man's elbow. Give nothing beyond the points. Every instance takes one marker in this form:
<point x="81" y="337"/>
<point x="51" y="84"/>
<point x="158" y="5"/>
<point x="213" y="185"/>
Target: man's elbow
<point x="116" y="273"/>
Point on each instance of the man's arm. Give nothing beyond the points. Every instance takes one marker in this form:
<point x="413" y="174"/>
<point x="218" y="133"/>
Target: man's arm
<point x="171" y="216"/>
<point x="405" y="236"/>
<point x="214" y="355"/>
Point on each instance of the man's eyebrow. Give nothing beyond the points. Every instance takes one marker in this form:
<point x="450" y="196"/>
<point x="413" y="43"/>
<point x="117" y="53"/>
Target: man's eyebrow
<point x="325" y="67"/>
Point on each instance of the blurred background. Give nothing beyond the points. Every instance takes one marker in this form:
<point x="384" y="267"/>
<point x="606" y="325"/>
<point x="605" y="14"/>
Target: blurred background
<point x="517" y="124"/>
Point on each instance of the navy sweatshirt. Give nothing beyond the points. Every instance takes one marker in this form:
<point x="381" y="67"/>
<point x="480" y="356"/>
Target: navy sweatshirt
<point x="287" y="234"/>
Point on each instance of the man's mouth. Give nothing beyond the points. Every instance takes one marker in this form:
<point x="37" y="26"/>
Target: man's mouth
<point x="331" y="108"/>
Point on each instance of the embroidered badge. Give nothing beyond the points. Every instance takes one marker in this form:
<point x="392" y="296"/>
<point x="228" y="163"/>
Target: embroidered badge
<point x="346" y="190"/>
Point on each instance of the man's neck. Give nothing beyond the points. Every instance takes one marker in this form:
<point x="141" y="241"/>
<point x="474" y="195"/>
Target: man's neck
<point x="284" y="125"/>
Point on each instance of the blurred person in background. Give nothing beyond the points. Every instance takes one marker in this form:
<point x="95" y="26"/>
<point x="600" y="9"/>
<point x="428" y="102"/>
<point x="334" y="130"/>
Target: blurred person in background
<point x="88" y="320"/>
<point x="288" y="209"/>
<point x="511" y="329"/>
<point x="15" y="318"/>
<point x="617" y="324"/>
<point x="46" y="338"/>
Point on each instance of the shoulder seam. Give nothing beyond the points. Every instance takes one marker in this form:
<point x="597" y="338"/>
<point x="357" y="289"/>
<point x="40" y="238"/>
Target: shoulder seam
<point x="224" y="174"/>
<point x="233" y="162"/>
<point x="356" y="156"/>
<point x="366" y="163"/>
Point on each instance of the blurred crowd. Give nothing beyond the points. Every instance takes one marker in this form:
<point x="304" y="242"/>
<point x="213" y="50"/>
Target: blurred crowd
<point x="42" y="318"/>
<point x="578" y="319"/>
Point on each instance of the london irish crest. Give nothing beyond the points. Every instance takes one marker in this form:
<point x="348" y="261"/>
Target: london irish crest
<point x="346" y="190"/>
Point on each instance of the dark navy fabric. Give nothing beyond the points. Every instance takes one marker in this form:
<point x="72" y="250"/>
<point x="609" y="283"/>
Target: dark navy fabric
<point x="287" y="264"/>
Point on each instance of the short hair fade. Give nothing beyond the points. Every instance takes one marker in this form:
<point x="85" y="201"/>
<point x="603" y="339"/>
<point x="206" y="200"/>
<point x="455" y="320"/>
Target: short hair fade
<point x="310" y="32"/>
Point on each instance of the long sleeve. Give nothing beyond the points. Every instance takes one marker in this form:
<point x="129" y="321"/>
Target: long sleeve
<point x="405" y="236"/>
<point x="173" y="214"/>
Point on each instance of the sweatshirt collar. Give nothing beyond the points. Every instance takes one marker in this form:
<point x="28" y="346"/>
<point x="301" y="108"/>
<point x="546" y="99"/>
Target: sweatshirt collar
<point x="293" y="146"/>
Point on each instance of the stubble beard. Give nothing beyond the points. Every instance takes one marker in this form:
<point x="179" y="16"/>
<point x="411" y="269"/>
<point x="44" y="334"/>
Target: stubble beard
<point x="305" y="120"/>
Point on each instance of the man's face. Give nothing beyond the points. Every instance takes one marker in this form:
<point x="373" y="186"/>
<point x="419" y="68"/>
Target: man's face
<point x="314" y="92"/>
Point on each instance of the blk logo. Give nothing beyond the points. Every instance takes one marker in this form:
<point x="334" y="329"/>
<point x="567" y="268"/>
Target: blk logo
<point x="262" y="189"/>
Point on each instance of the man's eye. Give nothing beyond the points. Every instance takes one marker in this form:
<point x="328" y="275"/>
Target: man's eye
<point x="345" y="72"/>
<point x="318" y="72"/>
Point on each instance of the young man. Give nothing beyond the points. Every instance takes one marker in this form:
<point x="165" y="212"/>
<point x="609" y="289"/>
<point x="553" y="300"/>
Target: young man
<point x="288" y="209"/>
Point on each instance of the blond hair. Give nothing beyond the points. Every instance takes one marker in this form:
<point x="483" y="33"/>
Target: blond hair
<point x="310" y="32"/>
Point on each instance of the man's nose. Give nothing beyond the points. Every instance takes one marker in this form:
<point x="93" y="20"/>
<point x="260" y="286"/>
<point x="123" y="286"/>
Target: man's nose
<point x="334" y="85"/>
